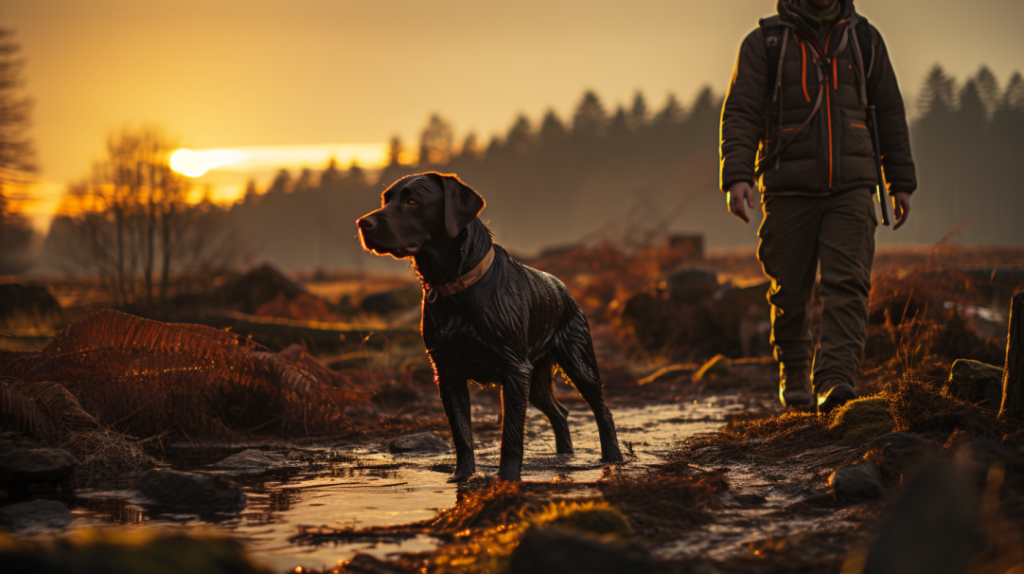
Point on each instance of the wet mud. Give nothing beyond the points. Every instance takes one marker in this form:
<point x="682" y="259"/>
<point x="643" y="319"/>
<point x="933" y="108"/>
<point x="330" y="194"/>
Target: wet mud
<point x="362" y="486"/>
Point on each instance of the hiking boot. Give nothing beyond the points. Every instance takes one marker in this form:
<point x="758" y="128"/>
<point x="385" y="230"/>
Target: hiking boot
<point x="795" y="384"/>
<point x="834" y="396"/>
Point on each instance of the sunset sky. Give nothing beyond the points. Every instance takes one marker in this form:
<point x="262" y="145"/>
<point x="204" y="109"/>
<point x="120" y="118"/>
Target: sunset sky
<point x="229" y="74"/>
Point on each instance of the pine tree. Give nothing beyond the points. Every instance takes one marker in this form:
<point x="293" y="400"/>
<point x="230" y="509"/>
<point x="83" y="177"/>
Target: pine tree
<point x="552" y="130"/>
<point x="638" y="113"/>
<point x="937" y="95"/>
<point x="590" y="119"/>
<point x="436" y="142"/>
<point x="988" y="89"/>
<point x="520" y="137"/>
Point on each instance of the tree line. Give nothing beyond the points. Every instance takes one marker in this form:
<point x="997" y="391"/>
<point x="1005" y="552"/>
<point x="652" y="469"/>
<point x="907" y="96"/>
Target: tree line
<point x="619" y="173"/>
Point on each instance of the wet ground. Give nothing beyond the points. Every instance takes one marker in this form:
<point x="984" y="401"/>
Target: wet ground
<point x="363" y="485"/>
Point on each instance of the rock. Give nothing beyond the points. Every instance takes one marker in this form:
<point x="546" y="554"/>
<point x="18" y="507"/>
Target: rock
<point x="745" y="317"/>
<point x="976" y="382"/>
<point x="35" y="515"/>
<point x="931" y="530"/>
<point x="979" y="454"/>
<point x="551" y="551"/>
<point x="251" y="461"/>
<point x="901" y="450"/>
<point x="418" y="443"/>
<point x="28" y="310"/>
<point x="393" y="300"/>
<point x="259" y="286"/>
<point x="191" y="491"/>
<point x="692" y="284"/>
<point x="145" y="554"/>
<point x="20" y="467"/>
<point x="858" y="482"/>
<point x="595" y="521"/>
<point x="861" y="420"/>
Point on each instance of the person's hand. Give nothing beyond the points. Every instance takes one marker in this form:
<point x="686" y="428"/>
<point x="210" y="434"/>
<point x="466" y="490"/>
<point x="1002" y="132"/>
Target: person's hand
<point x="900" y="208"/>
<point x="737" y="194"/>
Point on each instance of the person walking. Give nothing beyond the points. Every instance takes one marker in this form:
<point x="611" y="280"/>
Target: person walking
<point x="795" y="121"/>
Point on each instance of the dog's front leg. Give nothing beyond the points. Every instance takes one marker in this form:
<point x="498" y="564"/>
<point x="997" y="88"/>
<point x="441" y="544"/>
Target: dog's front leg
<point x="515" y="390"/>
<point x="454" y="391"/>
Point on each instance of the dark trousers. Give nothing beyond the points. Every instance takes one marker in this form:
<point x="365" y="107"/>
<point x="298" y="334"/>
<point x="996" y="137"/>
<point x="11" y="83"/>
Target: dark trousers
<point x="797" y="234"/>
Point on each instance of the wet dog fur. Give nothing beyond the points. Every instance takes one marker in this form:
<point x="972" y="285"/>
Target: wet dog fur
<point x="511" y="327"/>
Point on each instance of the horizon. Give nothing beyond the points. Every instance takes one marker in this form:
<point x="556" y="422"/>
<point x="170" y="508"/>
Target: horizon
<point x="233" y="86"/>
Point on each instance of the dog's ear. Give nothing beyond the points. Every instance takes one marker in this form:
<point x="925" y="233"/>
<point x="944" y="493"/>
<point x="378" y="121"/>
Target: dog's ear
<point x="461" y="204"/>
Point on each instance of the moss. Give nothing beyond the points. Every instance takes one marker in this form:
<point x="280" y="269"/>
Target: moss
<point x="595" y="520"/>
<point x="861" y="420"/>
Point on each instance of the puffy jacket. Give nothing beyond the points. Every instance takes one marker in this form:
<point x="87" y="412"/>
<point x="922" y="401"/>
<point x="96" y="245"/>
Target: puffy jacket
<point x="808" y="134"/>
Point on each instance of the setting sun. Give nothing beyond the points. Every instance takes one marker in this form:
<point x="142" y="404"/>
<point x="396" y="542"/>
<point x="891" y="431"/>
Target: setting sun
<point x="196" y="163"/>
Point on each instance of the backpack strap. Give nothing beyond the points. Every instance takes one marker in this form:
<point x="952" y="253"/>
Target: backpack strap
<point x="776" y="34"/>
<point x="864" y="51"/>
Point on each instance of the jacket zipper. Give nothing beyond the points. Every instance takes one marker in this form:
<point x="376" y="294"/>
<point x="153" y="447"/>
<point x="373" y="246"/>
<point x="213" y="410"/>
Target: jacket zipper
<point x="828" y="99"/>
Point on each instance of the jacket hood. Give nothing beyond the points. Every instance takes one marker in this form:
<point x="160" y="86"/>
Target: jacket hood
<point x="788" y="14"/>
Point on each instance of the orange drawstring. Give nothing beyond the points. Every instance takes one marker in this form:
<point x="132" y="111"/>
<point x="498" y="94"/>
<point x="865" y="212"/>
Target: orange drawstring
<point x="803" y="74"/>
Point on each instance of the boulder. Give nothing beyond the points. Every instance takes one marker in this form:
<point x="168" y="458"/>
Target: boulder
<point x="931" y="529"/>
<point x="692" y="284"/>
<point x="552" y="551"/>
<point x="979" y="454"/>
<point x="258" y="286"/>
<point x="35" y="515"/>
<point x="251" y="461"/>
<point x="190" y="491"/>
<point x="22" y="467"/>
<point x="976" y="382"/>
<point x="901" y="450"/>
<point x="423" y="442"/>
<point x="28" y="309"/>
<point x="858" y="482"/>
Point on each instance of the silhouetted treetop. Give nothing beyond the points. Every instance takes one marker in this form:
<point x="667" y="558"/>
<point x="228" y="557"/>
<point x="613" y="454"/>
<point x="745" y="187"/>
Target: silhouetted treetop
<point x="988" y="89"/>
<point x="638" y="112"/>
<point x="520" y="137"/>
<point x="1013" y="99"/>
<point x="671" y="114"/>
<point x="589" y="119"/>
<point x="306" y="180"/>
<point x="470" y="148"/>
<point x="282" y="183"/>
<point x="938" y="93"/>
<point x="552" y="130"/>
<point x="331" y="174"/>
<point x="436" y="142"/>
<point x="971" y="113"/>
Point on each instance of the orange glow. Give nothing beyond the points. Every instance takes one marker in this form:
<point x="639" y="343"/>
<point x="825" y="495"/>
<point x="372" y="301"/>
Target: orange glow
<point x="196" y="163"/>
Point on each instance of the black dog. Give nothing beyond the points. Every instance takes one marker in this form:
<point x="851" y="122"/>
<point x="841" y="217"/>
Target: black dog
<point x="487" y="317"/>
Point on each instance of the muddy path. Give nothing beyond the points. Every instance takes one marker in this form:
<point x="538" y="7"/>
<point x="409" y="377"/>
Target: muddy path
<point x="363" y="485"/>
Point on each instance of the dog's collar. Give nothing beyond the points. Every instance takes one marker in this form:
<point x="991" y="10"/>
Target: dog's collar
<point x="464" y="282"/>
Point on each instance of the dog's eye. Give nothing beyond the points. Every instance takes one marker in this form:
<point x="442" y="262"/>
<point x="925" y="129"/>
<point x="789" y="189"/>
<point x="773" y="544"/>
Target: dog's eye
<point x="411" y="202"/>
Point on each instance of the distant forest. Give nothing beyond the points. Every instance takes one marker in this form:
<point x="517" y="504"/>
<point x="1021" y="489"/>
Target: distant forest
<point x="627" y="174"/>
<point x="615" y="174"/>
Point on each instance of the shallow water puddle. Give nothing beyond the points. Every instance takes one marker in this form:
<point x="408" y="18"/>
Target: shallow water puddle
<point x="376" y="488"/>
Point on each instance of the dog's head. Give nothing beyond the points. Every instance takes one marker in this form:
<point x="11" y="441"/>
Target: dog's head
<point x="417" y="210"/>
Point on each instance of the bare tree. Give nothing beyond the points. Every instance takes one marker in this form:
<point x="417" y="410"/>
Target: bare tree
<point x="17" y="155"/>
<point x="132" y="225"/>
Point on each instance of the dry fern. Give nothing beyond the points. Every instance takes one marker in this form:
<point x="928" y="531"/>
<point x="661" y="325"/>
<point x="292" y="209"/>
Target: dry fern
<point x="145" y="378"/>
